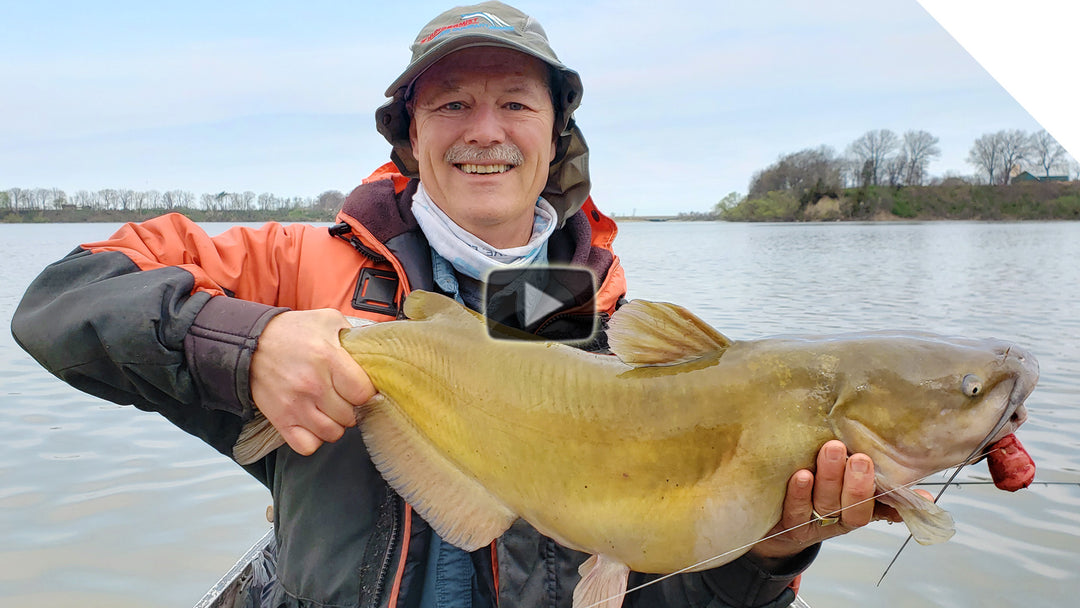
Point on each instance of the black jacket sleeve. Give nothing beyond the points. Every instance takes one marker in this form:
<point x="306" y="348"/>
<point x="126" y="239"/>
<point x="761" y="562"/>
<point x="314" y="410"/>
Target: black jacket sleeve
<point x="143" y="337"/>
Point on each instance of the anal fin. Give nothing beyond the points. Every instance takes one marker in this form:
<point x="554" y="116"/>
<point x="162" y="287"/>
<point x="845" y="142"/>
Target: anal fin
<point x="603" y="583"/>
<point x="457" y="507"/>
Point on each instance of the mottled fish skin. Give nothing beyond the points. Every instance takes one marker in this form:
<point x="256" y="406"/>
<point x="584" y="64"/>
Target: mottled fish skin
<point x="676" y="450"/>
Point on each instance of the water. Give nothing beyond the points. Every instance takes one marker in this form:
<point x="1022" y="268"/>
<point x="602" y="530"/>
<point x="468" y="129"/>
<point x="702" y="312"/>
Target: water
<point x="102" y="505"/>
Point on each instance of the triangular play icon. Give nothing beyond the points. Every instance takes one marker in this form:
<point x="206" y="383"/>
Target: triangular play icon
<point x="539" y="305"/>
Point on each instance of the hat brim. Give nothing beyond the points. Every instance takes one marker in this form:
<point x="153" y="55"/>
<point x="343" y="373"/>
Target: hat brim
<point x="457" y="43"/>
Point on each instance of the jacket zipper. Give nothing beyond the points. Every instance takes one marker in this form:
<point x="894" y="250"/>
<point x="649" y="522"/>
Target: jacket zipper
<point x="373" y="600"/>
<point x="344" y="232"/>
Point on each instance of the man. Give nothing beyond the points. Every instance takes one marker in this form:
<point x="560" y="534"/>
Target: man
<point x="489" y="170"/>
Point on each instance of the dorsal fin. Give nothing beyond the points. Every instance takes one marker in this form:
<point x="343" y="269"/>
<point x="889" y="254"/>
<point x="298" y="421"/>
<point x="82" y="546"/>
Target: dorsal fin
<point x="658" y="333"/>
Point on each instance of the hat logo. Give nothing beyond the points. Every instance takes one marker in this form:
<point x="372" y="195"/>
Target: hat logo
<point x="469" y="21"/>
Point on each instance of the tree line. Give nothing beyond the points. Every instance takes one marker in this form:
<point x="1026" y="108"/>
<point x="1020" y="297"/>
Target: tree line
<point x="1001" y="156"/>
<point x="881" y="158"/>
<point x="18" y="202"/>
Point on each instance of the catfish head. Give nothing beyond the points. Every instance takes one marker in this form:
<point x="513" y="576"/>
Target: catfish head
<point x="921" y="403"/>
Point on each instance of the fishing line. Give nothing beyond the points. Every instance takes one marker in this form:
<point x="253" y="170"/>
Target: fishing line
<point x="986" y="483"/>
<point x="936" y="498"/>
<point x="782" y="532"/>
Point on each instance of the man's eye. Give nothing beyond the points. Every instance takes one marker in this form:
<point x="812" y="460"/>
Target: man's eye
<point x="454" y="106"/>
<point x="513" y="105"/>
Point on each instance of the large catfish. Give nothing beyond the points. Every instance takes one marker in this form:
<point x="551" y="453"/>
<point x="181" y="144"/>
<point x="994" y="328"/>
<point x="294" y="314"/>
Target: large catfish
<point x="675" y="451"/>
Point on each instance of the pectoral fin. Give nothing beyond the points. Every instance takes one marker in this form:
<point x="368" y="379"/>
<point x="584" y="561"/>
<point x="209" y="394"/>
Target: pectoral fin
<point x="456" y="506"/>
<point x="603" y="583"/>
<point x="928" y="523"/>
<point x="658" y="333"/>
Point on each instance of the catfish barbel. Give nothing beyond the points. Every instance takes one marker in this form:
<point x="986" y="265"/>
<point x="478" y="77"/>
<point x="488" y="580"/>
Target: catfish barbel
<point x="674" y="451"/>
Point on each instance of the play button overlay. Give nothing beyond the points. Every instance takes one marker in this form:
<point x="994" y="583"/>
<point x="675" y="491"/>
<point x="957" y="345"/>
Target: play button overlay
<point x="541" y="303"/>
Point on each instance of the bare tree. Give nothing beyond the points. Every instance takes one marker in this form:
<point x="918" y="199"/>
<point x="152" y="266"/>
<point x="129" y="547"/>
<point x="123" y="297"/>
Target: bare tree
<point x="920" y="147"/>
<point x="267" y="202"/>
<point x="211" y="202"/>
<point x="20" y="198"/>
<point x="985" y="155"/>
<point x="1047" y="154"/>
<point x="174" y="199"/>
<point x="152" y="198"/>
<point x="896" y="168"/>
<point x="247" y="200"/>
<point x="41" y="199"/>
<point x="1015" y="149"/>
<point x="185" y="198"/>
<point x="871" y="152"/>
<point x="330" y="201"/>
<point x="82" y="199"/>
<point x="126" y="198"/>
<point x="109" y="198"/>
<point x="229" y="200"/>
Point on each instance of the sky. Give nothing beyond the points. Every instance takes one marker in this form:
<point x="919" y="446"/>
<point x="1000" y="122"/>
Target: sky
<point x="682" y="103"/>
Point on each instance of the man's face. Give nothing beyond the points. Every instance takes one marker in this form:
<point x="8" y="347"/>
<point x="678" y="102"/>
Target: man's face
<point x="483" y="132"/>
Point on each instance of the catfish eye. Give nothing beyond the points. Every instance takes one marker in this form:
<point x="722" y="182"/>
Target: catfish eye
<point x="972" y="385"/>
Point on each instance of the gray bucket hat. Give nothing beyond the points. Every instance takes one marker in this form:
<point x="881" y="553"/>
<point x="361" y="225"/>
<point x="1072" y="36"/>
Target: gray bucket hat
<point x="495" y="24"/>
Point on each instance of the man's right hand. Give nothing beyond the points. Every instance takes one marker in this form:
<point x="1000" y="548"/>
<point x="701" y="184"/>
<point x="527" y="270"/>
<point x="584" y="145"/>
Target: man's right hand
<point x="304" y="382"/>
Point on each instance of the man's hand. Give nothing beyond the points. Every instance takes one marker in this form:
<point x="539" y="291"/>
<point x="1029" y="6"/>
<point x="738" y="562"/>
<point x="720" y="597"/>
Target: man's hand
<point x="842" y="488"/>
<point x="304" y="382"/>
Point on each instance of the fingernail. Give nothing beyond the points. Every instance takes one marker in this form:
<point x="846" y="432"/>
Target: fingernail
<point x="860" y="465"/>
<point x="835" y="453"/>
<point x="802" y="481"/>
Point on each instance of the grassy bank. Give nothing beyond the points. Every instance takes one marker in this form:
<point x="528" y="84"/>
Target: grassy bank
<point x="957" y="201"/>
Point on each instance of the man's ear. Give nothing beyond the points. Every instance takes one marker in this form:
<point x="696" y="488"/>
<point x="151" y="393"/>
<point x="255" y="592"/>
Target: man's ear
<point x="412" y="134"/>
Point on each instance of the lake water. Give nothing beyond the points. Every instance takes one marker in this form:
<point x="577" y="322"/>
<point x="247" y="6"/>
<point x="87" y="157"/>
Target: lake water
<point x="102" y="505"/>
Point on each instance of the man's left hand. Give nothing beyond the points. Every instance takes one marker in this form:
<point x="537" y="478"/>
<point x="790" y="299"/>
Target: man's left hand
<point x="843" y="488"/>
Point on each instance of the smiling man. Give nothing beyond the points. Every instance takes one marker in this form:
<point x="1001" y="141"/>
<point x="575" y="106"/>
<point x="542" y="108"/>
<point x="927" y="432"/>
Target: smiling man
<point x="489" y="171"/>
<point x="482" y="131"/>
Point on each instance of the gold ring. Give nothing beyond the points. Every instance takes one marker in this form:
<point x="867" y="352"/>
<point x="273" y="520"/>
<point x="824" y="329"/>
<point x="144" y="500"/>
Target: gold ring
<point x="824" y="521"/>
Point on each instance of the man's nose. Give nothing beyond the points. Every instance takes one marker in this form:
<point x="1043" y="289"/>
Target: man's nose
<point x="485" y="127"/>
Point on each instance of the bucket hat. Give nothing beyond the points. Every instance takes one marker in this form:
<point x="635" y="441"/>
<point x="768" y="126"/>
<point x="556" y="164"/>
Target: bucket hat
<point x="495" y="24"/>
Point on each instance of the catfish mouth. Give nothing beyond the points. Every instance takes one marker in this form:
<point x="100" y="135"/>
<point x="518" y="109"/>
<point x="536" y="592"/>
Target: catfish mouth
<point x="1004" y="428"/>
<point x="1015" y="413"/>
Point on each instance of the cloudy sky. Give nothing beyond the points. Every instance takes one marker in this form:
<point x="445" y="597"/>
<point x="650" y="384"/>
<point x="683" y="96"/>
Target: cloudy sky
<point x="682" y="103"/>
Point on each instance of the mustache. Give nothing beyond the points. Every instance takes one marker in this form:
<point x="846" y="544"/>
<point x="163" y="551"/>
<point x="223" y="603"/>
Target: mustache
<point x="506" y="153"/>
